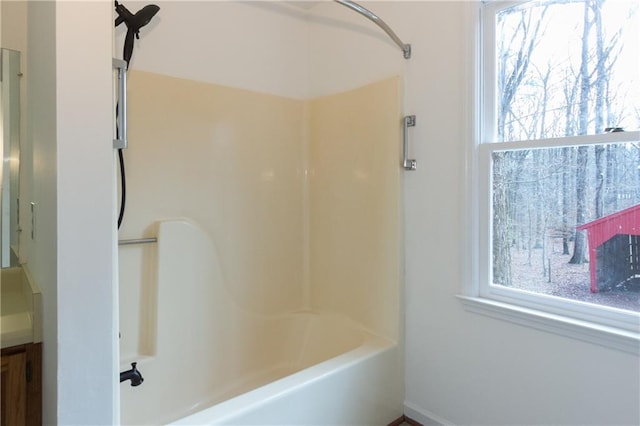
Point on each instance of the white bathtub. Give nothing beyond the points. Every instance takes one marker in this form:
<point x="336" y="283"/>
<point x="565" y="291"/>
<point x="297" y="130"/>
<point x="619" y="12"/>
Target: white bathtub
<point x="207" y="361"/>
<point x="354" y="388"/>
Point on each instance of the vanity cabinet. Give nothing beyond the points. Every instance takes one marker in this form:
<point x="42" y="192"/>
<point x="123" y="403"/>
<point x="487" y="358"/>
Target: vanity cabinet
<point x="21" y="393"/>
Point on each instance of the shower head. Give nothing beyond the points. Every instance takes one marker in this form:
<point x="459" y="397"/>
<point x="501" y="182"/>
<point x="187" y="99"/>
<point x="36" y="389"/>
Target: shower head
<point x="133" y="22"/>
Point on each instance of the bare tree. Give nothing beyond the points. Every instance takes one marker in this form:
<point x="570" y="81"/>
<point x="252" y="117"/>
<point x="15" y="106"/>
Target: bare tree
<point x="566" y="96"/>
<point x="580" y="241"/>
<point x="514" y="64"/>
<point x="501" y="224"/>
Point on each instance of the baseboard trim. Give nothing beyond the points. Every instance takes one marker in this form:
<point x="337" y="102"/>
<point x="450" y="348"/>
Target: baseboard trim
<point x="397" y="422"/>
<point x="423" y="417"/>
<point x="404" y="419"/>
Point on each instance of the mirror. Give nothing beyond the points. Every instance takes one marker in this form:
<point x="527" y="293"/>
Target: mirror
<point x="10" y="166"/>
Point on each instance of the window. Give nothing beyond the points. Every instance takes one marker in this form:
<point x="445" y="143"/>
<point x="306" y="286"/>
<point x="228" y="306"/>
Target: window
<point x="558" y="160"/>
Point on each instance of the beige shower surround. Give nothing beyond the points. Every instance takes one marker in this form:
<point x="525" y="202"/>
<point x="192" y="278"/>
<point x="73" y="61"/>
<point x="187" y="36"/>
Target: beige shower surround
<point x="301" y="197"/>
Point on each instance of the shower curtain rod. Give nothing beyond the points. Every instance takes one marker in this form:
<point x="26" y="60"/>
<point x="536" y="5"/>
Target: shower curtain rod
<point x="406" y="48"/>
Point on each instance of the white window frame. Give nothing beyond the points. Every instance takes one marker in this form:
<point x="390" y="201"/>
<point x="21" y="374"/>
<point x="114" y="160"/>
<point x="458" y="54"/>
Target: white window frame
<point x="610" y="327"/>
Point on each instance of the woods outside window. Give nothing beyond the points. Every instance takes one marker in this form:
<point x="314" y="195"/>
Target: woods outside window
<point x="559" y="148"/>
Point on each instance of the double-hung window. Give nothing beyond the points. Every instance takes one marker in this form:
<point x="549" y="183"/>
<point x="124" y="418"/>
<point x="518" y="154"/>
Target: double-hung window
<point x="556" y="186"/>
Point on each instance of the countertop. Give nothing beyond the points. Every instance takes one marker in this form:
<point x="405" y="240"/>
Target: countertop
<point x="20" y="309"/>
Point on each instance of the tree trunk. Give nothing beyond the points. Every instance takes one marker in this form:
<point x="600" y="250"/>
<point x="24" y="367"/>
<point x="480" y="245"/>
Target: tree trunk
<point x="538" y="197"/>
<point x="611" y="180"/>
<point x="501" y="225"/>
<point x="566" y="199"/>
<point x="600" y="83"/>
<point x="599" y="194"/>
<point x="580" y="243"/>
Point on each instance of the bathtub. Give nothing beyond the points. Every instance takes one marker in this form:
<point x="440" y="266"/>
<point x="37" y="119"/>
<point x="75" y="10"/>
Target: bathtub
<point x="208" y="361"/>
<point x="353" y="388"/>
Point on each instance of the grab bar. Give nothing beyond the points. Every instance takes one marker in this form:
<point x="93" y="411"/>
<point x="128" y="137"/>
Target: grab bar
<point x="120" y="141"/>
<point x="137" y="241"/>
<point x="408" y="164"/>
<point x="406" y="48"/>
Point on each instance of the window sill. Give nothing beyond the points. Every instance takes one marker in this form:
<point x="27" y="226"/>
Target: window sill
<point x="609" y="337"/>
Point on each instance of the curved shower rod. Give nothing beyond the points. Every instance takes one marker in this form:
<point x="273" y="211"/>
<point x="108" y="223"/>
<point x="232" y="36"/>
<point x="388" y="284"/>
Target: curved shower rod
<point x="406" y="48"/>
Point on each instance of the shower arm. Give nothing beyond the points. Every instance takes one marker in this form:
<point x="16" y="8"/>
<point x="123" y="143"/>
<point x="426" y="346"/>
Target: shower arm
<point x="406" y="48"/>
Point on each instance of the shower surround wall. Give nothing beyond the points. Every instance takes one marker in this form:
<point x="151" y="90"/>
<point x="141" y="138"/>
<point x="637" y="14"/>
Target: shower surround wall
<point x="300" y="199"/>
<point x="232" y="161"/>
<point x="354" y="204"/>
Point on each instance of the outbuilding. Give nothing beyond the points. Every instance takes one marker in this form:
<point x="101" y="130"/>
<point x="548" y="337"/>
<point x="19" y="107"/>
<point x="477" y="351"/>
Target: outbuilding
<point x="614" y="249"/>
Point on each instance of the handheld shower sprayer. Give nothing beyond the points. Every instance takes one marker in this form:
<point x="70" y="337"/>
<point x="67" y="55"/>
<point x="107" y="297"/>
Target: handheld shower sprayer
<point x="133" y="22"/>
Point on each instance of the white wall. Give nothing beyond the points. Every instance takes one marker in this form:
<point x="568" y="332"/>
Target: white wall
<point x="39" y="155"/>
<point x="87" y="302"/>
<point x="225" y="43"/>
<point x="347" y="50"/>
<point x="69" y="110"/>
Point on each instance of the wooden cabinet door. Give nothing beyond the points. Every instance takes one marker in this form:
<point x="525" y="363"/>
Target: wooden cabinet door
<point x="14" y="390"/>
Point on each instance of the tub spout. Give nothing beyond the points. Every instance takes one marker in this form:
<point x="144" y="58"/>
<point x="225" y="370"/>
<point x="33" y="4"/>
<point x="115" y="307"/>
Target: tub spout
<point x="133" y="375"/>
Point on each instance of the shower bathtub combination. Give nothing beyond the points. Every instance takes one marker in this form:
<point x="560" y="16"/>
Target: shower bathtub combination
<point x="216" y="363"/>
<point x="263" y="282"/>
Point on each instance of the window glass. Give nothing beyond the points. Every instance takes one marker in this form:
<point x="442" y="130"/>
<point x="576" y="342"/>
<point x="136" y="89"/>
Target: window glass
<point x="560" y="162"/>
<point x="567" y="68"/>
<point x="536" y="215"/>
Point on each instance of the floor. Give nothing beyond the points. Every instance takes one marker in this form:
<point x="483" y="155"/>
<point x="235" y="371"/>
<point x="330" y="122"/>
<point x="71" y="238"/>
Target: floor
<point x="405" y="421"/>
